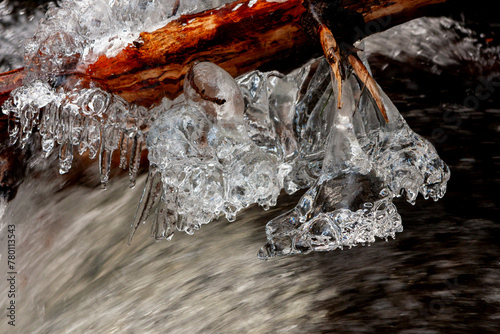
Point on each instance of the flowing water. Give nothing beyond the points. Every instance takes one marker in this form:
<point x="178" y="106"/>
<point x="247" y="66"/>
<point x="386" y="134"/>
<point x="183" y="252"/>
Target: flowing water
<point x="76" y="273"/>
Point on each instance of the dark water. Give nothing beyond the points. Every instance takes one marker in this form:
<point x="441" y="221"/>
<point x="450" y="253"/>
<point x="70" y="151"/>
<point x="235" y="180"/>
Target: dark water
<point x="76" y="273"/>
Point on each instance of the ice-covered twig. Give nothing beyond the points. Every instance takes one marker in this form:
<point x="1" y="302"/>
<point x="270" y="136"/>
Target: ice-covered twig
<point x="332" y="54"/>
<point x="368" y="81"/>
<point x="330" y="48"/>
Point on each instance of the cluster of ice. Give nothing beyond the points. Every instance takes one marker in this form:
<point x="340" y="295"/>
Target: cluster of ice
<point x="367" y="163"/>
<point x="226" y="144"/>
<point x="232" y="143"/>
<point x="203" y="162"/>
<point x="90" y="120"/>
<point x="70" y="112"/>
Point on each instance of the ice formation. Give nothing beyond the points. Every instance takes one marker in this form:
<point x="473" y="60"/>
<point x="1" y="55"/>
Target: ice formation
<point x="367" y="163"/>
<point x="203" y="162"/>
<point x="226" y="143"/>
<point x="78" y="113"/>
<point x="90" y="120"/>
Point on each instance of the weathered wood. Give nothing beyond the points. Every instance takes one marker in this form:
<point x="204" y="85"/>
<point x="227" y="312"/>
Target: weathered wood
<point x="239" y="37"/>
<point x="10" y="81"/>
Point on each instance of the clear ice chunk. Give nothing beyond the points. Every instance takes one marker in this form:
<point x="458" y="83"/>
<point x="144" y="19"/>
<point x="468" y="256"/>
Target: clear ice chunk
<point x="348" y="205"/>
<point x="208" y="164"/>
<point x="367" y="163"/>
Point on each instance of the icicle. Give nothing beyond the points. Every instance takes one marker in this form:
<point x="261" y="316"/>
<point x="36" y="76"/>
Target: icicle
<point x="27" y="124"/>
<point x="47" y="141"/>
<point x="13" y="126"/>
<point x="65" y="138"/>
<point x="77" y="127"/>
<point x="123" y="150"/>
<point x="166" y="217"/>
<point x="108" y="144"/>
<point x="84" y="137"/>
<point x="65" y="157"/>
<point x="104" y="167"/>
<point x="149" y="196"/>
<point x="135" y="159"/>
<point x="94" y="138"/>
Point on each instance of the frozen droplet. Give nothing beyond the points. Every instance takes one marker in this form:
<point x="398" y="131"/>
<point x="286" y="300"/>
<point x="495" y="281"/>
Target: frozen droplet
<point x="210" y="88"/>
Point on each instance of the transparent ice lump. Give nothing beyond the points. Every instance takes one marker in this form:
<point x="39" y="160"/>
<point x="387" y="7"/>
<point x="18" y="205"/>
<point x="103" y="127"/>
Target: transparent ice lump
<point x="202" y="161"/>
<point x="367" y="163"/>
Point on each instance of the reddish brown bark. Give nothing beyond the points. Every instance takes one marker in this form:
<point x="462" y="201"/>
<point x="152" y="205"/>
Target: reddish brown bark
<point x="237" y="37"/>
<point x="10" y="81"/>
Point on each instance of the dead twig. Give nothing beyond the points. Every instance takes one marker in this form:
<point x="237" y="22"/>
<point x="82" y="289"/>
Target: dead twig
<point x="363" y="74"/>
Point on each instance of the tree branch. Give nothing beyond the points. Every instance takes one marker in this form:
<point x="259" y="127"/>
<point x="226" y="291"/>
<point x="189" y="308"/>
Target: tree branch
<point x="239" y="37"/>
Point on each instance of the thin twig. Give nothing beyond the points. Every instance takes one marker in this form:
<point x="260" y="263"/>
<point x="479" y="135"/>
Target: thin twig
<point x="331" y="50"/>
<point x="361" y="71"/>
